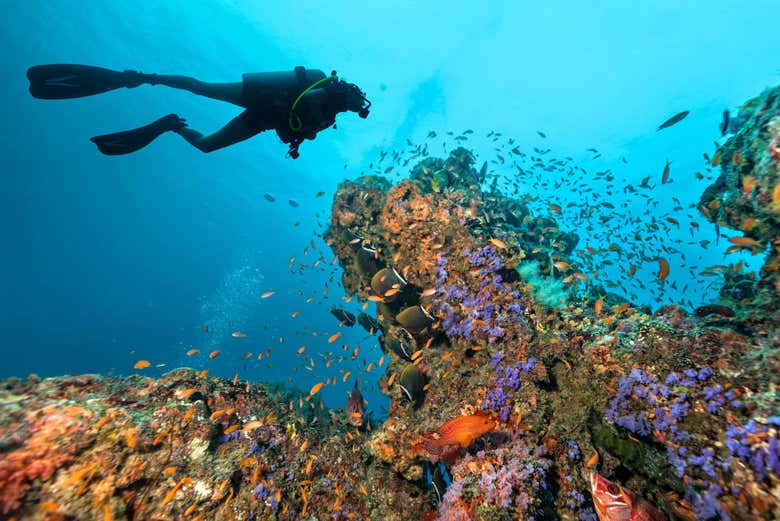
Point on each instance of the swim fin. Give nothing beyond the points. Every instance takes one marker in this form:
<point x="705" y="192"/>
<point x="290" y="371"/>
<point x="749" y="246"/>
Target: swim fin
<point x="64" y="80"/>
<point x="129" y="141"/>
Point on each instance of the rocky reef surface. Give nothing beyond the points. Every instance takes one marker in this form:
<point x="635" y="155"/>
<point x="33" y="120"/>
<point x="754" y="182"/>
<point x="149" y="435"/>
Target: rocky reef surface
<point x="514" y="377"/>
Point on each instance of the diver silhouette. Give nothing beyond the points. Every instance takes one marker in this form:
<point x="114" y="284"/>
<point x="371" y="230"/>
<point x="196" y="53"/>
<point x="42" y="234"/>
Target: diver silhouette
<point x="297" y="104"/>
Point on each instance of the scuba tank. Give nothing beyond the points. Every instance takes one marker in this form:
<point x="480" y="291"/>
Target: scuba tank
<point x="263" y="89"/>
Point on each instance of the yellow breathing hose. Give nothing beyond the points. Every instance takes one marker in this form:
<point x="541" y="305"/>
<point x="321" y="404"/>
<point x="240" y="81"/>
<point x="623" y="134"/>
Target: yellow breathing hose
<point x="298" y="99"/>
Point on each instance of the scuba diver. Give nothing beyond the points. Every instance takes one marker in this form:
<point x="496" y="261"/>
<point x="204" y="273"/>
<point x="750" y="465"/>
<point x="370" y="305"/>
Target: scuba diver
<point x="297" y="104"/>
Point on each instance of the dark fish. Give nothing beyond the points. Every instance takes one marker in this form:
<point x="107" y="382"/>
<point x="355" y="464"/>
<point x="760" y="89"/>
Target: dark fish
<point x="414" y="319"/>
<point x="401" y="348"/>
<point x="345" y="317"/>
<point x="482" y="172"/>
<point x="724" y="125"/>
<point x="674" y="119"/>
<point x="438" y="482"/>
<point x="412" y="382"/>
<point x="355" y="407"/>
<point x="714" y="309"/>
<point x="368" y="323"/>
<point x="270" y="198"/>
<point x="665" y="175"/>
<point x="293" y="203"/>
<point x="541" y="133"/>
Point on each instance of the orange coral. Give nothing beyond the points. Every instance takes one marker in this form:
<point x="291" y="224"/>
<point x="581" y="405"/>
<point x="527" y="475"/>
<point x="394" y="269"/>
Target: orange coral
<point x="40" y="456"/>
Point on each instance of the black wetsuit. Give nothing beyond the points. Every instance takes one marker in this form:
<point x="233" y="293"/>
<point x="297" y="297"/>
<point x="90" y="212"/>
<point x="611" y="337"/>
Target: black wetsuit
<point x="269" y="98"/>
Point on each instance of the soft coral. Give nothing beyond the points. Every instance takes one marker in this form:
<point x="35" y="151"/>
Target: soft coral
<point x="39" y="457"/>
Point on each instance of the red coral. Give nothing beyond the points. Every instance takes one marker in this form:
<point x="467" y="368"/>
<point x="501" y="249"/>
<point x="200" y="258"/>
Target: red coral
<point x="39" y="457"/>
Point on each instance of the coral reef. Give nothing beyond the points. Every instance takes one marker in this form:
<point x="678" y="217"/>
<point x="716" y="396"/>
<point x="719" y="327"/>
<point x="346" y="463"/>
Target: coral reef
<point x="516" y="381"/>
<point x="746" y="194"/>
<point x="679" y="406"/>
<point x="184" y="447"/>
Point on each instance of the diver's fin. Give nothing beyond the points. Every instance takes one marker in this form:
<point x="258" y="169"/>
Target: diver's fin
<point x="131" y="140"/>
<point x="64" y="80"/>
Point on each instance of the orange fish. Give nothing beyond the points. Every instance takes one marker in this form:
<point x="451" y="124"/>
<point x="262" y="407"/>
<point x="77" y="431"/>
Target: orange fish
<point x="192" y="352"/>
<point x="737" y="159"/>
<point x="214" y="354"/>
<point x="238" y="334"/>
<point x="183" y="394"/>
<point x="748" y="224"/>
<point x="268" y="294"/>
<point x="716" y="158"/>
<point x="49" y="506"/>
<point x="597" y="307"/>
<point x="498" y="243"/>
<point x="663" y="270"/>
<point x="748" y="184"/>
<point x="315" y="388"/>
<point x="615" y="503"/>
<point x="335" y="336"/>
<point x="141" y="364"/>
<point x="744" y="241"/>
<point x="460" y="431"/>
<point x="593" y="459"/>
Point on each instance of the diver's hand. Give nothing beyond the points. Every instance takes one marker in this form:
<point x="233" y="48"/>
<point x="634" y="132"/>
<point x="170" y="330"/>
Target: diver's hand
<point x="174" y="122"/>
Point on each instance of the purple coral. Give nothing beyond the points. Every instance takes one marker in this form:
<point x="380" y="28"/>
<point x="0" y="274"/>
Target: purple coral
<point x="573" y="451"/>
<point x="506" y="478"/>
<point x="482" y="307"/>
<point x="757" y="444"/>
<point x="643" y="406"/>
<point x="507" y="384"/>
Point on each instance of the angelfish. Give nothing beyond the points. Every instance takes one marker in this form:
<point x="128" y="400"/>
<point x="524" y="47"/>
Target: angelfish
<point x="355" y="407"/>
<point x="615" y="503"/>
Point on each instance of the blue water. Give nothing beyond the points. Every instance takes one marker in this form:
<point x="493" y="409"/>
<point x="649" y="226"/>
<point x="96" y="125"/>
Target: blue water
<point x="107" y="260"/>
